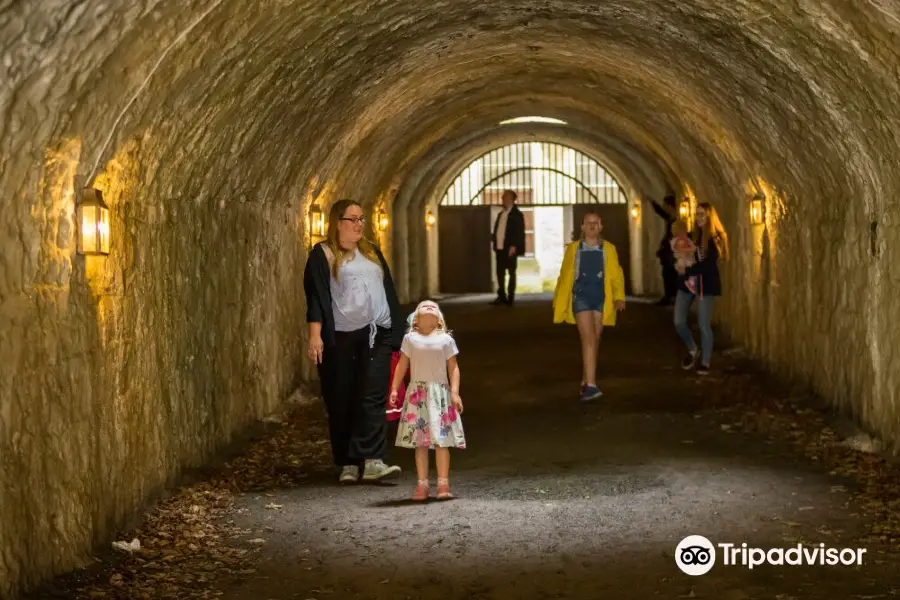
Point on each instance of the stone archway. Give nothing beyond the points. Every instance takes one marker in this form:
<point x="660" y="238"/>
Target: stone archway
<point x="554" y="183"/>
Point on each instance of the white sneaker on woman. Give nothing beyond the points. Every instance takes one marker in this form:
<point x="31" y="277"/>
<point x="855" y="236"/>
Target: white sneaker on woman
<point x="349" y="474"/>
<point x="376" y="469"/>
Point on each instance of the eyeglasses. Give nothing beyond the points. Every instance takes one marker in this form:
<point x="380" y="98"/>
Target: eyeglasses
<point x="357" y="220"/>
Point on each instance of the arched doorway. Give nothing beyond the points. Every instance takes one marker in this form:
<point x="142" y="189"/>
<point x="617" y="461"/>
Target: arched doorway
<point x="555" y="185"/>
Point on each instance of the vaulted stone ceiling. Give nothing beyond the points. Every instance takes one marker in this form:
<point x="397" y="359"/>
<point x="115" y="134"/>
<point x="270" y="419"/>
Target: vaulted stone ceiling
<point x="721" y="90"/>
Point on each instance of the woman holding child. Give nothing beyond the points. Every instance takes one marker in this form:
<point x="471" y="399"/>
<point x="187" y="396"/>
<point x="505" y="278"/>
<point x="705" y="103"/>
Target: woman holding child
<point x="698" y="277"/>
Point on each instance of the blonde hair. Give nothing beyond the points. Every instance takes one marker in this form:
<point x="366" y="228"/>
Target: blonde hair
<point x="442" y="322"/>
<point x="713" y="230"/>
<point x="367" y="248"/>
<point x="679" y="227"/>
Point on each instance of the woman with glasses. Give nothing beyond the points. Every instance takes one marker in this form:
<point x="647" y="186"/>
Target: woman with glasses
<point x="355" y="324"/>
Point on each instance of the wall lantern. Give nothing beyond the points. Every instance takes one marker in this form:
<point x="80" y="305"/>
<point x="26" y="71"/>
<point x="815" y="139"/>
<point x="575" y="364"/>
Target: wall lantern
<point x="756" y="209"/>
<point x="636" y="211"/>
<point x="381" y="219"/>
<point x="92" y="216"/>
<point x="316" y="221"/>
<point x="684" y="209"/>
<point x="430" y="219"/>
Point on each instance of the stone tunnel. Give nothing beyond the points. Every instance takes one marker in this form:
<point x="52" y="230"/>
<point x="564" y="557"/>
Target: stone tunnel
<point x="212" y="127"/>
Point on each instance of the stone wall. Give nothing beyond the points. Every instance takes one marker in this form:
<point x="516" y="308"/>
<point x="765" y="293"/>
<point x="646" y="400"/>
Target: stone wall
<point x="810" y="292"/>
<point x="211" y="125"/>
<point x="116" y="373"/>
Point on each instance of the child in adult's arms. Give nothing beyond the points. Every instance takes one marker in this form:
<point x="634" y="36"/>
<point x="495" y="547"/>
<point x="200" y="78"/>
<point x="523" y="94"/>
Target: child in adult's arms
<point x="685" y="253"/>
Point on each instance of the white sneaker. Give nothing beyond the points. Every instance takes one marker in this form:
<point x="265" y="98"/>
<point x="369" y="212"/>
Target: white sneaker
<point x="349" y="474"/>
<point x="376" y="469"/>
<point x="690" y="362"/>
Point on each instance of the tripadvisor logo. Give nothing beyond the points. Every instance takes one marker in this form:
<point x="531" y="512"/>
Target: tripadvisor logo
<point x="696" y="555"/>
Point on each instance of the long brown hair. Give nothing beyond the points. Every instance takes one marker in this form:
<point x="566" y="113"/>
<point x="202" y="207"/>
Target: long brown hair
<point x="338" y="209"/>
<point x="713" y="230"/>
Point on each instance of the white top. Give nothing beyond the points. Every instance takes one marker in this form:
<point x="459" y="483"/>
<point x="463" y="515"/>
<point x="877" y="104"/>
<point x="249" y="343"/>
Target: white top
<point x="428" y="355"/>
<point x="501" y="229"/>
<point x="358" y="298"/>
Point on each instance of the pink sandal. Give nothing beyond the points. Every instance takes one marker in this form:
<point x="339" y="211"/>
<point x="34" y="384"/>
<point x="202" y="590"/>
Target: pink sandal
<point x="443" y="492"/>
<point x="421" y="493"/>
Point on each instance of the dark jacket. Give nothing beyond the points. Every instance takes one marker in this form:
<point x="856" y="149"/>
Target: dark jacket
<point x="317" y="285"/>
<point x="707" y="270"/>
<point x="515" y="231"/>
<point x="665" y="249"/>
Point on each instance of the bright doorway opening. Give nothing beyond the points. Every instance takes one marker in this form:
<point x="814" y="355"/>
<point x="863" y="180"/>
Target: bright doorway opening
<point x="555" y="185"/>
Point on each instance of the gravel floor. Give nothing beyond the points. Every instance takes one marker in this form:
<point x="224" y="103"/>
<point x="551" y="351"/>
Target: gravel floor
<point x="558" y="500"/>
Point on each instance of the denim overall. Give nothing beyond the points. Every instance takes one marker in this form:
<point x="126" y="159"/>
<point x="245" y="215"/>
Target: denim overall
<point x="589" y="292"/>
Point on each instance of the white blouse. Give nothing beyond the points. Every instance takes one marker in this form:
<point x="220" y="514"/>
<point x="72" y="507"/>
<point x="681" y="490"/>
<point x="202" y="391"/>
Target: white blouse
<point x="358" y="298"/>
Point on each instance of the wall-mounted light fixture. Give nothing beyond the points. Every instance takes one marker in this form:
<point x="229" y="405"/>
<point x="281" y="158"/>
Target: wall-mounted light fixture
<point x="636" y="211"/>
<point x="756" y="209"/>
<point x="92" y="216"/>
<point x="381" y="219"/>
<point x="316" y="221"/>
<point x="684" y="209"/>
<point x="430" y="219"/>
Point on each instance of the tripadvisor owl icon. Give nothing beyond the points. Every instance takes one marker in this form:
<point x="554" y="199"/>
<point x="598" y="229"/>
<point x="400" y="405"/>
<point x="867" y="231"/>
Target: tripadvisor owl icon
<point x="695" y="555"/>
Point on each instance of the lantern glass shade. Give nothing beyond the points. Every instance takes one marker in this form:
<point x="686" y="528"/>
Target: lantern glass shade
<point x="684" y="210"/>
<point x="636" y="211"/>
<point x="756" y="211"/>
<point x="316" y="221"/>
<point x="92" y="216"/>
<point x="383" y="220"/>
<point x="430" y="219"/>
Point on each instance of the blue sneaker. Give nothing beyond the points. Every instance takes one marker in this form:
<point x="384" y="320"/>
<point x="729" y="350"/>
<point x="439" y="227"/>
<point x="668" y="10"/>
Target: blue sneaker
<point x="590" y="392"/>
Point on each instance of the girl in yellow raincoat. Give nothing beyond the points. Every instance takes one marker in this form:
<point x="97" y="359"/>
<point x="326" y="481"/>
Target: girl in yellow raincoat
<point x="589" y="292"/>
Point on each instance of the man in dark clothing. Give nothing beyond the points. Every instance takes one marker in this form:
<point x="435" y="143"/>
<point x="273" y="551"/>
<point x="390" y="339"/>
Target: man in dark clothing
<point x="669" y="214"/>
<point x="508" y="242"/>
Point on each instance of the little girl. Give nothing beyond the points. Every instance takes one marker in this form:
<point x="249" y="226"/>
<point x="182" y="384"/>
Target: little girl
<point x="432" y="408"/>
<point x="684" y="249"/>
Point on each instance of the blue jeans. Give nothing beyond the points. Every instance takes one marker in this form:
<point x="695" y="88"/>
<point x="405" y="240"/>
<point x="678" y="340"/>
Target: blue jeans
<point x="682" y="307"/>
<point x="588" y="298"/>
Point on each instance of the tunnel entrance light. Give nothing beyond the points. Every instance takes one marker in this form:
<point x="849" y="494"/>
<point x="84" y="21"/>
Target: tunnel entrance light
<point x="93" y="224"/>
<point x="549" y="120"/>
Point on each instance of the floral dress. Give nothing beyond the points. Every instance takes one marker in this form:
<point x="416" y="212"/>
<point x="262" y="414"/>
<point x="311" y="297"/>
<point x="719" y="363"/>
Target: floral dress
<point x="428" y="419"/>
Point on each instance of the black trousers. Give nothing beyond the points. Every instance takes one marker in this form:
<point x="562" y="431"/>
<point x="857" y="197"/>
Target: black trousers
<point x="506" y="264"/>
<point x="355" y="380"/>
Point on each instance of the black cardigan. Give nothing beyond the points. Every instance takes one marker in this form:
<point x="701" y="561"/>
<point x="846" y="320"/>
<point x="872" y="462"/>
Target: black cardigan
<point x="707" y="270"/>
<point x="317" y="285"/>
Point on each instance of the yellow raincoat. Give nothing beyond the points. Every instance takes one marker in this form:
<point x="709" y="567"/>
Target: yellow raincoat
<point x="614" y="282"/>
